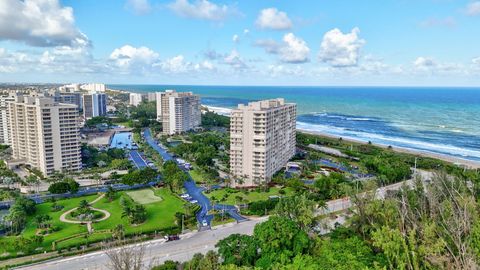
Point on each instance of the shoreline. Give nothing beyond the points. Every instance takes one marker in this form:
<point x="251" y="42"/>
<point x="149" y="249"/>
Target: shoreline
<point x="444" y="157"/>
<point x="451" y="159"/>
<point x="471" y="164"/>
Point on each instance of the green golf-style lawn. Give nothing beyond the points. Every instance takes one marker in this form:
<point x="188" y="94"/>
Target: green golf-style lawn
<point x="144" y="196"/>
<point x="231" y="196"/>
<point x="160" y="216"/>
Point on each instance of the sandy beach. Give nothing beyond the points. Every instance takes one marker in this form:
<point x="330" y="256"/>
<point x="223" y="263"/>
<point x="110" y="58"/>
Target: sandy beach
<point x="455" y="160"/>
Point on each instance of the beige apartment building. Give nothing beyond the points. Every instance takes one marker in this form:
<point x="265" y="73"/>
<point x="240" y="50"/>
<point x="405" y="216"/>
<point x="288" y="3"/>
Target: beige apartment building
<point x="262" y="140"/>
<point x="4" y="134"/>
<point x="178" y="111"/>
<point x="44" y="134"/>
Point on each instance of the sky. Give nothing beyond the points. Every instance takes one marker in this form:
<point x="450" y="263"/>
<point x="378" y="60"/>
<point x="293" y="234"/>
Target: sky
<point x="217" y="42"/>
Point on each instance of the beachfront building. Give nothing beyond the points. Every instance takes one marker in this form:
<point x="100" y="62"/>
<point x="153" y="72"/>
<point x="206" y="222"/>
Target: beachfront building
<point x="93" y="87"/>
<point x="44" y="134"/>
<point x="4" y="134"/>
<point x="178" y="111"/>
<point x="262" y="140"/>
<point x="152" y="96"/>
<point x="135" y="99"/>
<point x="94" y="104"/>
<point x="74" y="87"/>
<point x="75" y="98"/>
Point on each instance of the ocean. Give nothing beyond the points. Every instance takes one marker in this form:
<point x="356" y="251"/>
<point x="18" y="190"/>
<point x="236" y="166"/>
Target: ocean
<point x="437" y="120"/>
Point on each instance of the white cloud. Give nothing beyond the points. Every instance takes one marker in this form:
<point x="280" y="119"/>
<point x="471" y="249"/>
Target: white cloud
<point x="473" y="9"/>
<point x="139" y="7"/>
<point x="292" y="49"/>
<point x="134" y="59"/>
<point x="205" y="65"/>
<point x="246" y="31"/>
<point x="295" y="50"/>
<point x="429" y="65"/>
<point x="42" y="23"/>
<point x="200" y="9"/>
<point x="424" y="63"/>
<point x="339" y="49"/>
<point x="175" y="64"/>
<point x="272" y="18"/>
<point x="234" y="60"/>
<point x="235" y="38"/>
<point x="476" y="61"/>
<point x="59" y="60"/>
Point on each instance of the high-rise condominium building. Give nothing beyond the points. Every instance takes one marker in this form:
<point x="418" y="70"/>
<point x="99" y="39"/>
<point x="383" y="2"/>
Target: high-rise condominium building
<point x="4" y="134"/>
<point x="68" y="97"/>
<point x="178" y="111"/>
<point x="262" y="140"/>
<point x="45" y="134"/>
<point x="152" y="96"/>
<point x="135" y="99"/>
<point x="94" y="87"/>
<point x="94" y="104"/>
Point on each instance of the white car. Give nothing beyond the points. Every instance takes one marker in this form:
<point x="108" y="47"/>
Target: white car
<point x="204" y="223"/>
<point x="184" y="195"/>
<point x="194" y="201"/>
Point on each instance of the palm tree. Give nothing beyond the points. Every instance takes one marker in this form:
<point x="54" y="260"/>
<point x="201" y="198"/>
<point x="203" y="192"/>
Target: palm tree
<point x="118" y="232"/>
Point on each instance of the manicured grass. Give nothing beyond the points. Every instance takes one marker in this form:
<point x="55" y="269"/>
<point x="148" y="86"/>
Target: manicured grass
<point x="65" y="229"/>
<point x="197" y="175"/>
<point x="160" y="216"/>
<point x="250" y="196"/>
<point x="144" y="196"/>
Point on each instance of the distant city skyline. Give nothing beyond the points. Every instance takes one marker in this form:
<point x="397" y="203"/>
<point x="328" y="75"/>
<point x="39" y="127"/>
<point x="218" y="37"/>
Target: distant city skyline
<point x="213" y="42"/>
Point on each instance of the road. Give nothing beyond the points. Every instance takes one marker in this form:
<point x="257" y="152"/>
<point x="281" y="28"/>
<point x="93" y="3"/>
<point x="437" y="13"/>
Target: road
<point x="137" y="159"/>
<point x="192" y="189"/>
<point x="156" y="251"/>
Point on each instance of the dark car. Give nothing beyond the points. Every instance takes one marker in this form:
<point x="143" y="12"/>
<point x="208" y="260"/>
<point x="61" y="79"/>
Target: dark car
<point x="172" y="237"/>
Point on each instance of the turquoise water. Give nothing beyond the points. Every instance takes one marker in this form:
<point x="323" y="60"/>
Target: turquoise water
<point x="439" y="120"/>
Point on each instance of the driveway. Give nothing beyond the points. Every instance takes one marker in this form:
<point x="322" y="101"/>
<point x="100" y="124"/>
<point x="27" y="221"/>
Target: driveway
<point x="192" y="189"/>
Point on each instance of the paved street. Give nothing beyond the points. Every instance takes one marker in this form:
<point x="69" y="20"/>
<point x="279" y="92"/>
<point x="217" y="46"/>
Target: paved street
<point x="137" y="159"/>
<point x="156" y="251"/>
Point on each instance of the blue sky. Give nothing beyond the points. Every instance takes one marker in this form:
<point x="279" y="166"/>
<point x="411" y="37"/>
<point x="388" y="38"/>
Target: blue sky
<point x="390" y="42"/>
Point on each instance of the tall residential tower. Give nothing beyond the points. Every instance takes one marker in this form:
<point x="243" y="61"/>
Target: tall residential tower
<point x="178" y="111"/>
<point x="94" y="104"/>
<point x="45" y="134"/>
<point x="4" y="133"/>
<point x="262" y="140"/>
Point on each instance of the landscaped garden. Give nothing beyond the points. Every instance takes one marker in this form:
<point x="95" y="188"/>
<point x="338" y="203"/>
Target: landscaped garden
<point x="44" y="229"/>
<point x="234" y="196"/>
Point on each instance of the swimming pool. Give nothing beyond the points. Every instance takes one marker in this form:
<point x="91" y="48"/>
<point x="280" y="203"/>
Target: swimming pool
<point x="122" y="140"/>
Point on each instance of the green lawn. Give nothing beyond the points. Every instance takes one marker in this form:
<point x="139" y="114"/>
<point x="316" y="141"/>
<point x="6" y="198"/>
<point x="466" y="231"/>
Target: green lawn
<point x="160" y="216"/>
<point x="144" y="196"/>
<point x="197" y="175"/>
<point x="250" y="196"/>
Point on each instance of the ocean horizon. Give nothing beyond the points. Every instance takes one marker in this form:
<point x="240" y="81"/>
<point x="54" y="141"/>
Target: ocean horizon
<point x="438" y="120"/>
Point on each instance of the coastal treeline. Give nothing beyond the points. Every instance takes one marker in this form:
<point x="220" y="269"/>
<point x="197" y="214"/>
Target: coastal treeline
<point x="428" y="226"/>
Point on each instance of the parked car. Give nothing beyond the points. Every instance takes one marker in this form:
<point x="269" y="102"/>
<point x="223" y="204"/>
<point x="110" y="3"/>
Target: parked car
<point x="204" y="223"/>
<point x="172" y="237"/>
<point x="194" y="201"/>
<point x="185" y="195"/>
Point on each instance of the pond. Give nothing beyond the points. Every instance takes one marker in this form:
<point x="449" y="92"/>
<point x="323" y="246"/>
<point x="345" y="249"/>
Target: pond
<point x="122" y="140"/>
